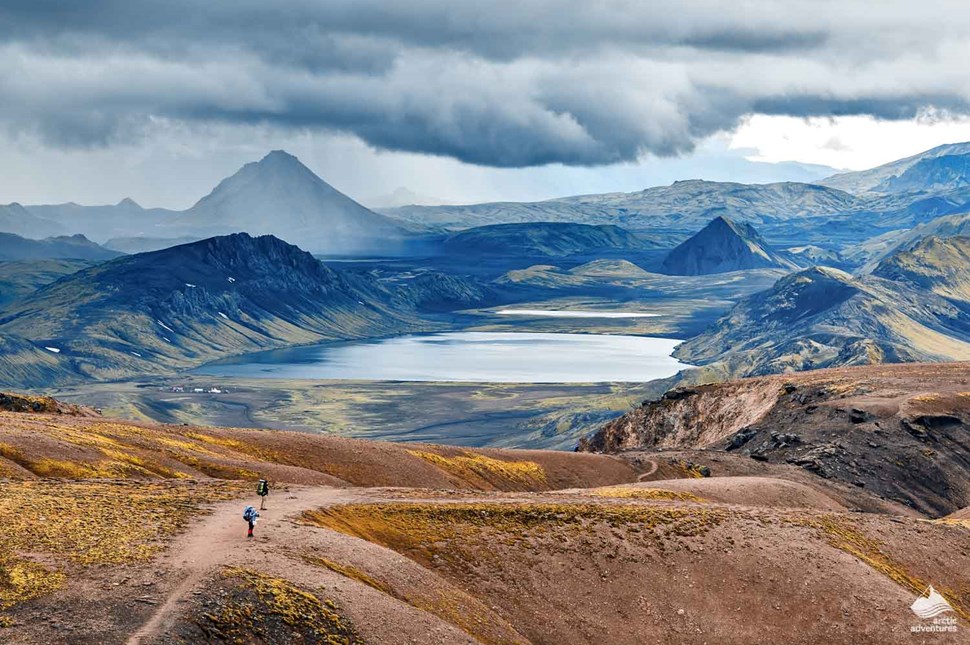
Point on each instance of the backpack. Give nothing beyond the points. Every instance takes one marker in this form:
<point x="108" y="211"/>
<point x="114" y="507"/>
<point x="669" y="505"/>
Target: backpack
<point x="262" y="488"/>
<point x="249" y="513"/>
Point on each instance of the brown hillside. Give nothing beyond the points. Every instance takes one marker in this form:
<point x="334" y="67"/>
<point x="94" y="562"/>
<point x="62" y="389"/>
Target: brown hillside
<point x="899" y="431"/>
<point x="122" y="533"/>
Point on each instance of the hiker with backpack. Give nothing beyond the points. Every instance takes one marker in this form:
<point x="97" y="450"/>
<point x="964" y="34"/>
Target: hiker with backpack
<point x="262" y="489"/>
<point x="250" y="515"/>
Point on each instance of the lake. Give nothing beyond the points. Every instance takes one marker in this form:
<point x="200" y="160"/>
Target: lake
<point x="496" y="357"/>
<point x="572" y="313"/>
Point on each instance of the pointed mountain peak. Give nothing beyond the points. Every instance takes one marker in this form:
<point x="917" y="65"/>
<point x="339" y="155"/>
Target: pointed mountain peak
<point x="279" y="195"/>
<point x="279" y="156"/>
<point x="278" y="165"/>
<point x="721" y="221"/>
<point x="720" y="247"/>
<point x="129" y="202"/>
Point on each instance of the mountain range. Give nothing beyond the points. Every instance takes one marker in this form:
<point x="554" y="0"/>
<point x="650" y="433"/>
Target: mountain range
<point x="913" y="306"/>
<point x="881" y="179"/>
<point x="885" y="283"/>
<point x="832" y="213"/>
<point x="279" y="195"/>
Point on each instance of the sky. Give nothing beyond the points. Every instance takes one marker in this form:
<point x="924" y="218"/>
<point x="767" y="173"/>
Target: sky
<point x="466" y="102"/>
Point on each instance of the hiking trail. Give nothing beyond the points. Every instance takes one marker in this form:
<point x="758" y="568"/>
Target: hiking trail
<point x="220" y="539"/>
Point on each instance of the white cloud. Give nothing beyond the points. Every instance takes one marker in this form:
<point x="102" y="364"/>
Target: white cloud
<point x="847" y="142"/>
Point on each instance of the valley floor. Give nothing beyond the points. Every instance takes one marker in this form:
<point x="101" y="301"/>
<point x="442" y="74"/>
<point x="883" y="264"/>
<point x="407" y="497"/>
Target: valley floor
<point x="468" y="414"/>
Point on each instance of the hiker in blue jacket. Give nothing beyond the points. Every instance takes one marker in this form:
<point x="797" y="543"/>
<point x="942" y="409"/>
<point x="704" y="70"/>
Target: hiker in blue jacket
<point x="250" y="515"/>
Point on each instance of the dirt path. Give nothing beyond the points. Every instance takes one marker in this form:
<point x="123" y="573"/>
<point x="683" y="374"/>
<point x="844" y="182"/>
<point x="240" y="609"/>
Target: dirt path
<point x="653" y="468"/>
<point x="220" y="539"/>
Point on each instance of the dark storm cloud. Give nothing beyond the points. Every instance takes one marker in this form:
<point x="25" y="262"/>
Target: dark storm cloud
<point x="505" y="83"/>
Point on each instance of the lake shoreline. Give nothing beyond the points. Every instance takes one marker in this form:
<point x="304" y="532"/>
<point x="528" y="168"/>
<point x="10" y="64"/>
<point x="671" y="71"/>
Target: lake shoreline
<point x="466" y="357"/>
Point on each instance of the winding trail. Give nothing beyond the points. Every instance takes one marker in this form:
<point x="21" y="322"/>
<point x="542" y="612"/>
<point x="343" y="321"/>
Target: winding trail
<point x="220" y="539"/>
<point x="653" y="468"/>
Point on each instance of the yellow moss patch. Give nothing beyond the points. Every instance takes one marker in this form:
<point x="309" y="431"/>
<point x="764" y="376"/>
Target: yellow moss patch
<point x="488" y="473"/>
<point x="841" y="535"/>
<point x="633" y="492"/>
<point x="953" y="522"/>
<point x="22" y="580"/>
<point x="86" y="523"/>
<point x="690" y="471"/>
<point x="263" y="454"/>
<point x="301" y="610"/>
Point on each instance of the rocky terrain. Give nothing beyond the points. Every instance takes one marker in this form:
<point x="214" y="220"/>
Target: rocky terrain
<point x="118" y="532"/>
<point x="721" y="247"/>
<point x="901" y="431"/>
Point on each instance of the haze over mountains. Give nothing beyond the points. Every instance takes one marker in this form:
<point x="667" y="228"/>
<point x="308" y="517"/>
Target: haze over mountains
<point x="276" y="195"/>
<point x="75" y="247"/>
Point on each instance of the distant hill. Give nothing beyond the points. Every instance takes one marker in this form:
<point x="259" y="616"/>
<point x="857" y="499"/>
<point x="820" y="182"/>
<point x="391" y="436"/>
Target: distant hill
<point x="178" y="307"/>
<point x="147" y="244"/>
<point x="543" y="239"/>
<point x="16" y="219"/>
<point x="102" y="222"/>
<point x="75" y="247"/>
<point x="823" y="317"/>
<point x="280" y="196"/>
<point x="937" y="265"/>
<point x="21" y="277"/>
<point x="812" y="255"/>
<point x="402" y="196"/>
<point x="683" y="205"/>
<point x="936" y="175"/>
<point x="947" y="226"/>
<point x="880" y="178"/>
<point x="721" y="247"/>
